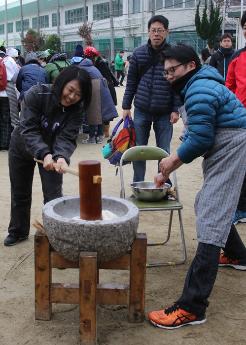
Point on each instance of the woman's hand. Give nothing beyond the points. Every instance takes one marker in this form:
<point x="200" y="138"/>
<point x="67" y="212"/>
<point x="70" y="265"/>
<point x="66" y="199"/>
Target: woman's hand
<point x="48" y="162"/>
<point x="60" y="165"/>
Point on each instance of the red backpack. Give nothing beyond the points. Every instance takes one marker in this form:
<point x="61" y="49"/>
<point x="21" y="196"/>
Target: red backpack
<point x="3" y="75"/>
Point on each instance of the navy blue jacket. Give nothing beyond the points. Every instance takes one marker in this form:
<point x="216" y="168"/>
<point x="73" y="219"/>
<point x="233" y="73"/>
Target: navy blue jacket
<point x="152" y="92"/>
<point x="209" y="106"/>
<point x="29" y="75"/>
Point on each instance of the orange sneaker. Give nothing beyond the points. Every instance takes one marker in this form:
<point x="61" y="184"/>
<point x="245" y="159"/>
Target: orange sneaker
<point x="225" y="261"/>
<point x="174" y="317"/>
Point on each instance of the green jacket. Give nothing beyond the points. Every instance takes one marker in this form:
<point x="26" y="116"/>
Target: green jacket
<point x="54" y="68"/>
<point x="119" y="63"/>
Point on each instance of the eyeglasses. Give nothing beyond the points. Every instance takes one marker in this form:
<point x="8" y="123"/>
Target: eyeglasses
<point x="171" y="70"/>
<point x="157" y="31"/>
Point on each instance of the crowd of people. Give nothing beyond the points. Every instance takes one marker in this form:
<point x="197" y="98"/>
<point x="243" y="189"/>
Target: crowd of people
<point x="57" y="95"/>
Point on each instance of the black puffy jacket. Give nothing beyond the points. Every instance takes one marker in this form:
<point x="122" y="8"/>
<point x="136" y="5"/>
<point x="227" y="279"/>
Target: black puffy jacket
<point x="152" y="92"/>
<point x="48" y="127"/>
<point x="220" y="60"/>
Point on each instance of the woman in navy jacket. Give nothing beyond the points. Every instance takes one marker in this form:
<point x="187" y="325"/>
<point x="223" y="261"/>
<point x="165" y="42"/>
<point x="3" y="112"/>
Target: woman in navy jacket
<point x="49" y="125"/>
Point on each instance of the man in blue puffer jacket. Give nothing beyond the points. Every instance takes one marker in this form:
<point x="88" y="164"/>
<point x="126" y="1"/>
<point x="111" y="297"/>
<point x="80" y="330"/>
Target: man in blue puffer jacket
<point x="155" y="101"/>
<point x="216" y="131"/>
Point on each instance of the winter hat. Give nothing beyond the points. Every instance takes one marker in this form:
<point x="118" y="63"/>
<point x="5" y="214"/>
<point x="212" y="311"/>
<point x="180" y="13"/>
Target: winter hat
<point x="91" y="52"/>
<point x="12" y="52"/>
<point x="79" y="51"/>
<point x="31" y="56"/>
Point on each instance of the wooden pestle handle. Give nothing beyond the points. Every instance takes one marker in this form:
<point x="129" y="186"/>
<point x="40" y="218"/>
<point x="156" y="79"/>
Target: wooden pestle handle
<point x="67" y="170"/>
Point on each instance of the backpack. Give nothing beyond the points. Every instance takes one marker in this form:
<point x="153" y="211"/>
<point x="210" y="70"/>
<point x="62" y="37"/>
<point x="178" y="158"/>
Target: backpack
<point x="3" y="75"/>
<point x="118" y="144"/>
<point x="61" y="68"/>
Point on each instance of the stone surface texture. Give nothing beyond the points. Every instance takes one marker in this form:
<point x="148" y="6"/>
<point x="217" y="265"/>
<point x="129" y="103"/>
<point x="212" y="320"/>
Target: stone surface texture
<point x="70" y="235"/>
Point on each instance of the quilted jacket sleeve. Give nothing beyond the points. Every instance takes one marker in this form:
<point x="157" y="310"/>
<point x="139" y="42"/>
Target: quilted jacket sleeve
<point x="231" y="78"/>
<point x="201" y="102"/>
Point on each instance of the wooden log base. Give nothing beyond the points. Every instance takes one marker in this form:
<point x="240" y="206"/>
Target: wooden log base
<point x="89" y="292"/>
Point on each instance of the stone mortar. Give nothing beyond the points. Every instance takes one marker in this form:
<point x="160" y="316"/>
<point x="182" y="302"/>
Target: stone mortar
<point x="70" y="235"/>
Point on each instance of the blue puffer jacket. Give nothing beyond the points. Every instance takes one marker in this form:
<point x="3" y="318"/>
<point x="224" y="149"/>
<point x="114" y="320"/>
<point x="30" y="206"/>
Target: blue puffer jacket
<point x="29" y="75"/>
<point x="108" y="110"/>
<point x="209" y="105"/>
<point x="153" y="93"/>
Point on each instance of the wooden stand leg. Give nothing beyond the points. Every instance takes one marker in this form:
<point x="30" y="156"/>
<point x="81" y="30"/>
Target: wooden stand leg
<point x="137" y="279"/>
<point x="87" y="296"/>
<point x="43" y="306"/>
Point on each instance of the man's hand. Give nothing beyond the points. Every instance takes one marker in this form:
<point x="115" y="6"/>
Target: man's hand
<point x="60" y="165"/>
<point x="168" y="165"/>
<point x="174" y="117"/>
<point x="126" y="112"/>
<point x="48" y="162"/>
<point x="159" y="180"/>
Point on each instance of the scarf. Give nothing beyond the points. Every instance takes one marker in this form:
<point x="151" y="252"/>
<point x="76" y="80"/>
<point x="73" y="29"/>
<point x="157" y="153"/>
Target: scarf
<point x="180" y="83"/>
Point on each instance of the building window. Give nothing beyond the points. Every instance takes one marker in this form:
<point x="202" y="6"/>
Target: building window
<point x="34" y="23"/>
<point x="187" y="37"/>
<point x="43" y="22"/>
<point x="75" y="16"/>
<point x="173" y="4"/>
<point x="159" y="4"/>
<point x="54" y="19"/>
<point x="190" y="3"/>
<point x="101" y="11"/>
<point x="118" y="8"/>
<point x="10" y="28"/>
<point x="25" y="25"/>
<point x="136" y="6"/>
<point x="137" y="42"/>
<point x="1" y="29"/>
<point x="70" y="46"/>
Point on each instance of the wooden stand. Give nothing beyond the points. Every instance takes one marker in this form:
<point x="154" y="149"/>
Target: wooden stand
<point x="88" y="293"/>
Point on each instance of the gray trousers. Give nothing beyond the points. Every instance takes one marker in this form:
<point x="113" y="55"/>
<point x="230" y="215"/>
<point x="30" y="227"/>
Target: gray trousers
<point x="224" y="168"/>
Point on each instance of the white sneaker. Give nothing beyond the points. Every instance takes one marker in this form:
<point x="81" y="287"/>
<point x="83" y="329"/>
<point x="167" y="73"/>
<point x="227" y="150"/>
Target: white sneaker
<point x="91" y="140"/>
<point x="100" y="139"/>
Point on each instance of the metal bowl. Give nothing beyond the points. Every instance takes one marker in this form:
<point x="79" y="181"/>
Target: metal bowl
<point x="147" y="191"/>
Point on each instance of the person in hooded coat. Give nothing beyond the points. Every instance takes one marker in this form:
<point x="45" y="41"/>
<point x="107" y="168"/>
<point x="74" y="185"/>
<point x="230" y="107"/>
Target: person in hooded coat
<point x="101" y="108"/>
<point x="30" y="74"/>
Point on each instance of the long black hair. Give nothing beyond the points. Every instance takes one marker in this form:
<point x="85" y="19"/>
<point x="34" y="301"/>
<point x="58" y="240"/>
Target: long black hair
<point x="74" y="73"/>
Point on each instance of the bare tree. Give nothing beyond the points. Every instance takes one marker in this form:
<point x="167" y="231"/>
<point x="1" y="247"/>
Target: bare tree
<point x="85" y="31"/>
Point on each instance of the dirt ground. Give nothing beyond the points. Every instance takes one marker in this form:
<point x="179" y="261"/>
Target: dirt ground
<point x="226" y="315"/>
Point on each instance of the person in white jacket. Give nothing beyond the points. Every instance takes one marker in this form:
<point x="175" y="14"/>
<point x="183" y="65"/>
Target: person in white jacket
<point x="9" y="114"/>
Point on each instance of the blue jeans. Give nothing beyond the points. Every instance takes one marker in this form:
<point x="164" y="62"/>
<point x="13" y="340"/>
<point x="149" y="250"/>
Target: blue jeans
<point x="163" y="134"/>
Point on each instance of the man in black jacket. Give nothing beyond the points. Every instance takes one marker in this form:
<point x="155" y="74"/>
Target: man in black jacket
<point x="221" y="58"/>
<point x="154" y="100"/>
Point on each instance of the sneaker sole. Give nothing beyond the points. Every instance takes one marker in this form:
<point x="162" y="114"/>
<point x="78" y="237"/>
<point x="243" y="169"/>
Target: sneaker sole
<point x="192" y="323"/>
<point x="236" y="267"/>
